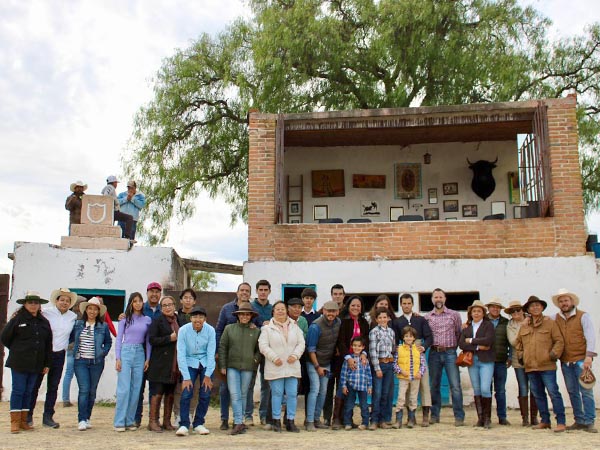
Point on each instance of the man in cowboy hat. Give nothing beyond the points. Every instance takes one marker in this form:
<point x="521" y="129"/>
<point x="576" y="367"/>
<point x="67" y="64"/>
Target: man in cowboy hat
<point x="539" y="344"/>
<point x="111" y="190"/>
<point x="578" y="332"/>
<point x="73" y="203"/>
<point x="131" y="202"/>
<point x="502" y="348"/>
<point x="61" y="320"/>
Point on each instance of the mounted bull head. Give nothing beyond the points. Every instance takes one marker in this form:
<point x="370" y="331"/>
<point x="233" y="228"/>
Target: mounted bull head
<point x="483" y="183"/>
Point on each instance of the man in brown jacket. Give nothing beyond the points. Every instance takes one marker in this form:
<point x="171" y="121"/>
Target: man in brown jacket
<point x="539" y="344"/>
<point x="73" y="203"/>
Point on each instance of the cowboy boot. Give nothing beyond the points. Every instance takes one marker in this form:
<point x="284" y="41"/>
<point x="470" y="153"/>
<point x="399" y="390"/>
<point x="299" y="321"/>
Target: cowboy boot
<point x="169" y="400"/>
<point x="479" y="410"/>
<point x="277" y="425"/>
<point x="533" y="409"/>
<point x="24" y="425"/>
<point x="153" y="424"/>
<point x="425" y="416"/>
<point x="399" y="415"/>
<point x="524" y="408"/>
<point x="15" y="421"/>
<point x="336" y="422"/>
<point x="412" y="420"/>
<point x="486" y="406"/>
<point x="291" y="426"/>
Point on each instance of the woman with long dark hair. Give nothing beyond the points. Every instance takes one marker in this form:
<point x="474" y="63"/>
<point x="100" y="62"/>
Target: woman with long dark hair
<point x="382" y="301"/>
<point x="132" y="351"/>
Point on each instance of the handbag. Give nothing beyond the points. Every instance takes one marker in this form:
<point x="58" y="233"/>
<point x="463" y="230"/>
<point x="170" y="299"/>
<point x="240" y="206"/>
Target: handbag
<point x="464" y="359"/>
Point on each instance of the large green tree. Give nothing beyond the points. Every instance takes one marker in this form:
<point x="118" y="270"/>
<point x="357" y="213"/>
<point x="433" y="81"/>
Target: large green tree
<point x="306" y="55"/>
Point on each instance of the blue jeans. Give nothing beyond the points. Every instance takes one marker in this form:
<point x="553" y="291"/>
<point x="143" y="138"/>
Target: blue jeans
<point x="316" y="395"/>
<point x="129" y="381"/>
<point x="224" y="397"/>
<point x="383" y="391"/>
<point x="57" y="362"/>
<point x="22" y="388"/>
<point x="265" y="392"/>
<point x="439" y="361"/>
<point x="481" y="374"/>
<point x="69" y="372"/>
<point x="349" y="406"/>
<point x="88" y="376"/>
<point x="196" y="375"/>
<point x="522" y="381"/>
<point x="238" y="382"/>
<point x="546" y="380"/>
<point x="289" y="387"/>
<point x="582" y="400"/>
<point x="500" y="375"/>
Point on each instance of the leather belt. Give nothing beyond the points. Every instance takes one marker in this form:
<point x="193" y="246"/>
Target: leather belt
<point x="439" y="348"/>
<point x="386" y="360"/>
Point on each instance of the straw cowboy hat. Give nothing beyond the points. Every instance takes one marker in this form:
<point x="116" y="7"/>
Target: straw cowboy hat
<point x="63" y="291"/>
<point x="32" y="295"/>
<point x="245" y="307"/>
<point x="514" y="304"/>
<point x="92" y="301"/>
<point x="78" y="183"/>
<point x="533" y="299"/>
<point x="495" y="302"/>
<point x="565" y="292"/>
<point x="477" y="304"/>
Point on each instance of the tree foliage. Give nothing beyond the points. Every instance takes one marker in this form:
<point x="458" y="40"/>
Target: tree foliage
<point x="202" y="281"/>
<point x="307" y="55"/>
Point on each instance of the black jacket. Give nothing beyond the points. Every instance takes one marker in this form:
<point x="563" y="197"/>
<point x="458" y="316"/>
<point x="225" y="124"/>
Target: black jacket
<point x="163" y="351"/>
<point x="29" y="339"/>
<point x="485" y="336"/>
<point x="419" y="323"/>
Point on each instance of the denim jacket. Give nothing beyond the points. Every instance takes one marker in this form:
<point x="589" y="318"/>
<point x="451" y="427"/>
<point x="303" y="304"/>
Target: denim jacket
<point x="102" y="339"/>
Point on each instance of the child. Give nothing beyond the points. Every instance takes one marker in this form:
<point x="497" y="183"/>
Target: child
<point x="356" y="382"/>
<point x="382" y="350"/>
<point x="409" y="367"/>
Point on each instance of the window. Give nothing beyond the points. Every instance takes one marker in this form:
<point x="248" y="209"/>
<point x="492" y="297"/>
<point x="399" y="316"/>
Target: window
<point x="114" y="299"/>
<point x="295" y="290"/>
<point x="458" y="301"/>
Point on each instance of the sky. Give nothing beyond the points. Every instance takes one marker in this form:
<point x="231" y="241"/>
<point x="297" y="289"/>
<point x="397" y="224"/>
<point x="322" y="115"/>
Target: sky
<point x="73" y="73"/>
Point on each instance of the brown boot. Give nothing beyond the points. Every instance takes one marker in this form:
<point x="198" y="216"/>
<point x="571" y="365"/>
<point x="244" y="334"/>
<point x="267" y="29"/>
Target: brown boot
<point x="479" y="411"/>
<point x="533" y="409"/>
<point x="24" y="425"/>
<point x="338" y="405"/>
<point x="486" y="406"/>
<point x="169" y="400"/>
<point x="524" y="408"/>
<point x="425" y="422"/>
<point x="15" y="421"/>
<point x="153" y="424"/>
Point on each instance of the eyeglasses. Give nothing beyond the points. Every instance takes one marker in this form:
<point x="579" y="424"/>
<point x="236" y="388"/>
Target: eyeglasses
<point x="168" y="305"/>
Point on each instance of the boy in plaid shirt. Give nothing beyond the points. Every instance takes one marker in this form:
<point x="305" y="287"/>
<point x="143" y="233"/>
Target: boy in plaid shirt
<point x="356" y="383"/>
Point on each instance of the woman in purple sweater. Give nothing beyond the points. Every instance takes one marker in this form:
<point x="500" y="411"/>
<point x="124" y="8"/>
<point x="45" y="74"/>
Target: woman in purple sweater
<point x="133" y="354"/>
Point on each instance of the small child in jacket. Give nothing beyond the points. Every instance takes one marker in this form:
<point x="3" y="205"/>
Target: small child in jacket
<point x="409" y="366"/>
<point x="355" y="383"/>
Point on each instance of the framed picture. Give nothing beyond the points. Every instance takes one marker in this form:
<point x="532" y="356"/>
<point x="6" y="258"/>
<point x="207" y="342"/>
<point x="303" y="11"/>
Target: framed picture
<point x="450" y="205"/>
<point x="294" y="219"/>
<point x="328" y="183"/>
<point x="499" y="208"/>
<point x="469" y="210"/>
<point x="360" y="181"/>
<point x="431" y="213"/>
<point x="450" y="188"/>
<point x="432" y="195"/>
<point x="320" y="212"/>
<point x="395" y="212"/>
<point x="369" y="208"/>
<point x="449" y="219"/>
<point x="293" y="208"/>
<point x="407" y="180"/>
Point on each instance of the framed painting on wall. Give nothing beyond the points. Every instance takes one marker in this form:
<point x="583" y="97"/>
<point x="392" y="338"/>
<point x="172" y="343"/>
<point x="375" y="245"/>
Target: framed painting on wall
<point x="432" y="195"/>
<point x="450" y="205"/>
<point x="293" y="208"/>
<point x="450" y="188"/>
<point x="369" y="208"/>
<point x="360" y="181"/>
<point x="469" y="210"/>
<point x="320" y="212"/>
<point x="431" y="213"/>
<point x="395" y="212"/>
<point x="499" y="208"/>
<point x="328" y="183"/>
<point x="407" y="180"/>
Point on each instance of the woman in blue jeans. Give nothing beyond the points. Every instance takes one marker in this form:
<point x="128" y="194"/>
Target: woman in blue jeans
<point x="91" y="337"/>
<point x="70" y="361"/>
<point x="133" y="344"/>
<point x="478" y="337"/>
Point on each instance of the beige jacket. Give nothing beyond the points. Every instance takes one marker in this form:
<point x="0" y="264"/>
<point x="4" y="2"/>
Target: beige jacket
<point x="274" y="345"/>
<point x="512" y="331"/>
<point x="539" y="345"/>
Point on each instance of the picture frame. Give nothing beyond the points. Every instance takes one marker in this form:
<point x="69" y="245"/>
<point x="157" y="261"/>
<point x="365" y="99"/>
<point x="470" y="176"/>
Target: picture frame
<point x="431" y="213"/>
<point x="361" y="181"/>
<point x="450" y="205"/>
<point x="450" y="188"/>
<point x="395" y="212"/>
<point x="451" y="219"/>
<point x="320" y="212"/>
<point x="432" y="196"/>
<point x="499" y="208"/>
<point x="469" y="210"/>
<point x="328" y="183"/>
<point x="294" y="208"/>
<point x="294" y="219"/>
<point x="369" y="208"/>
<point x="407" y="181"/>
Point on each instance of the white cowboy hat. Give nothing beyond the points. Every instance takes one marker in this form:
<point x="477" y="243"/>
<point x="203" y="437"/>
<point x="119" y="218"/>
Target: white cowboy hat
<point x="93" y="301"/>
<point x="477" y="304"/>
<point x="63" y="291"/>
<point x="565" y="292"/>
<point x="495" y="302"/>
<point x="78" y="183"/>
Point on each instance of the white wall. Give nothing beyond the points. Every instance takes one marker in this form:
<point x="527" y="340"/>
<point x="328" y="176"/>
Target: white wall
<point x="508" y="279"/>
<point x="448" y="165"/>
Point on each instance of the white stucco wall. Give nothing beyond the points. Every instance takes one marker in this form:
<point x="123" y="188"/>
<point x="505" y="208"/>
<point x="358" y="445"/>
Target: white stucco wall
<point x="448" y="165"/>
<point x="508" y="279"/>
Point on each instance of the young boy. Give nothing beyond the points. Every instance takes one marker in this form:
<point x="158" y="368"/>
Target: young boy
<point x="409" y="367"/>
<point x="382" y="350"/>
<point x="356" y="382"/>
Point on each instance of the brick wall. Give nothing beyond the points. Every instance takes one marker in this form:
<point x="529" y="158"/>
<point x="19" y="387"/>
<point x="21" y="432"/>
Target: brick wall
<point x="561" y="235"/>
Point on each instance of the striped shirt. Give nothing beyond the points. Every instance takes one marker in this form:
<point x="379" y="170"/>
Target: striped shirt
<point x="382" y="344"/>
<point x="359" y="379"/>
<point x="86" y="342"/>
<point x="445" y="327"/>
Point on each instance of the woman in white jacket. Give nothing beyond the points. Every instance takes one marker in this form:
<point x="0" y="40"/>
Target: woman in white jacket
<point x="282" y="344"/>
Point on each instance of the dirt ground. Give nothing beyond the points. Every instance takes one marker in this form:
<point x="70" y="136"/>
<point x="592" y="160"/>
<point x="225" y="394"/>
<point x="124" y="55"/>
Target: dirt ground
<point x="439" y="436"/>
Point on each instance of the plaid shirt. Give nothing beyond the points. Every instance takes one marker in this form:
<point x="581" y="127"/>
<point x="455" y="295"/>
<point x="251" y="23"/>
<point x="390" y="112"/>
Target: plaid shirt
<point x="445" y="326"/>
<point x="382" y="344"/>
<point x="359" y="379"/>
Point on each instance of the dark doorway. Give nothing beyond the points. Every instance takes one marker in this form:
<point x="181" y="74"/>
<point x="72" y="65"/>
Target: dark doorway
<point x="295" y="290"/>
<point x="458" y="301"/>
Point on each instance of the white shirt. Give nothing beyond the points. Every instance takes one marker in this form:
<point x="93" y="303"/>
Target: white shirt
<point x="61" y="325"/>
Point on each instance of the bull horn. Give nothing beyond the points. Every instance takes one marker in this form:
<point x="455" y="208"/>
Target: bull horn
<point x="470" y="163"/>
<point x="496" y="160"/>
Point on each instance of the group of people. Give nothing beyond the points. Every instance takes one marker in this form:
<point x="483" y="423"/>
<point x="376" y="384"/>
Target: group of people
<point x="335" y="357"/>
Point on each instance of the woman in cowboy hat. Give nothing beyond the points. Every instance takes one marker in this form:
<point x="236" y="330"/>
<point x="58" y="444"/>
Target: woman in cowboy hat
<point x="478" y="337"/>
<point x="29" y="338"/>
<point x="239" y="357"/>
<point x="92" y="343"/>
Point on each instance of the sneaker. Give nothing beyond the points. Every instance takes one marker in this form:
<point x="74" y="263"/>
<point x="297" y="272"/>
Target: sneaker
<point x="362" y="427"/>
<point x="201" y="429"/>
<point x="348" y="427"/>
<point x="88" y="424"/>
<point x="120" y="429"/>
<point x="82" y="426"/>
<point x="132" y="428"/>
<point x="182" y="431"/>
